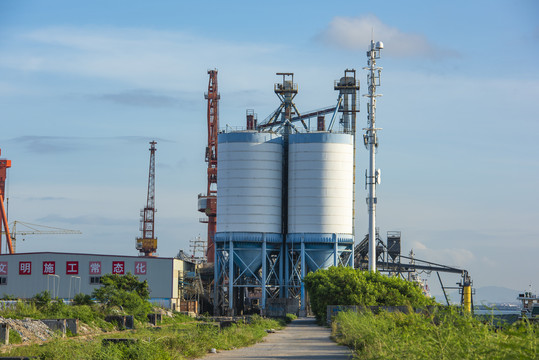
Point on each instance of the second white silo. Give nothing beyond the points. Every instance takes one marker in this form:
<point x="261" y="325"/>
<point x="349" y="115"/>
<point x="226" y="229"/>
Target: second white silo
<point x="320" y="206"/>
<point x="320" y="183"/>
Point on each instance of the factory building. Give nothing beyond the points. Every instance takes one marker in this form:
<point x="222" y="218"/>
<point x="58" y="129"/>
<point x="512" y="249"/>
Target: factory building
<point x="64" y="275"/>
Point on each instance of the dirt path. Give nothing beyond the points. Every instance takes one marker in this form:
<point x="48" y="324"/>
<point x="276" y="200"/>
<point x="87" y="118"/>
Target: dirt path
<point x="302" y="339"/>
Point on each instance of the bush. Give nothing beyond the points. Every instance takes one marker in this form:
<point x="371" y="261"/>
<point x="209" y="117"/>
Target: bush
<point x="82" y="299"/>
<point x="348" y="286"/>
<point x="42" y="299"/>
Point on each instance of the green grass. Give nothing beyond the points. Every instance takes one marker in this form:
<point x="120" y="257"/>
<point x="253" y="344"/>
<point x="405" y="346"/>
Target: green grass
<point x="90" y="314"/>
<point x="445" y="335"/>
<point x="14" y="337"/>
<point x="178" y="339"/>
<point x="289" y="318"/>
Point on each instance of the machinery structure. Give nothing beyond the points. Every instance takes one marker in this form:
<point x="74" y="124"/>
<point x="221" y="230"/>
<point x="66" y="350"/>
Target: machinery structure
<point x="390" y="261"/>
<point x="207" y="202"/>
<point x="4" y="226"/>
<point x="285" y="204"/>
<point x="147" y="243"/>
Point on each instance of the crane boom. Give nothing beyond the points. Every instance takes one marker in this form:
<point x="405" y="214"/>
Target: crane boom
<point x="34" y="229"/>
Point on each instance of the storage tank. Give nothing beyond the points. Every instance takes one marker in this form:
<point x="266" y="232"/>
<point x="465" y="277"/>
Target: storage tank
<point x="249" y="182"/>
<point x="248" y="240"/>
<point x="320" y="183"/>
<point x="249" y="192"/>
<point x="320" y="196"/>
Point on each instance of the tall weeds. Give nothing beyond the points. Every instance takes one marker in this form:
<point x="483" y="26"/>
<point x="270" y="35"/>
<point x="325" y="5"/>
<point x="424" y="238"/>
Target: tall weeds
<point x="445" y="335"/>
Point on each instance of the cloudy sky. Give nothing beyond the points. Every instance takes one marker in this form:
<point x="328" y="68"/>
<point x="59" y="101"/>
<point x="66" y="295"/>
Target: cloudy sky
<point x="84" y="86"/>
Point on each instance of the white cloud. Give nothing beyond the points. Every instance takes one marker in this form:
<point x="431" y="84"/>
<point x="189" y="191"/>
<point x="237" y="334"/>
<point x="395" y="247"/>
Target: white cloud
<point x="355" y="33"/>
<point x="142" y="58"/>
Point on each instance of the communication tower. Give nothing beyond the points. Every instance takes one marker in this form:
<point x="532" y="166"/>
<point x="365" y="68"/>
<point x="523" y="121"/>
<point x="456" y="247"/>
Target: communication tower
<point x="147" y="243"/>
<point x="4" y="165"/>
<point x="208" y="203"/>
<point x="372" y="177"/>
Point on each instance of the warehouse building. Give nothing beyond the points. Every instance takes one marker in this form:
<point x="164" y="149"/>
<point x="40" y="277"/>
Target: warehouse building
<point x="64" y="275"/>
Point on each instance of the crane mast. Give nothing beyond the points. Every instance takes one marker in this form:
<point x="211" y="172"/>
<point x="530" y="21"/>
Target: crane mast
<point x="147" y="244"/>
<point x="4" y="165"/>
<point x="208" y="203"/>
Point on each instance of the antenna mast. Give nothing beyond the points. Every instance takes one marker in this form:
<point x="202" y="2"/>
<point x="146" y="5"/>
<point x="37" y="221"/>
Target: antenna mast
<point x="372" y="178"/>
<point x="147" y="244"/>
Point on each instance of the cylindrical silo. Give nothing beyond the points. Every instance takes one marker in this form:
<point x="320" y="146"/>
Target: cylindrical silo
<point x="249" y="214"/>
<point x="320" y="204"/>
<point x="320" y="183"/>
<point x="249" y="183"/>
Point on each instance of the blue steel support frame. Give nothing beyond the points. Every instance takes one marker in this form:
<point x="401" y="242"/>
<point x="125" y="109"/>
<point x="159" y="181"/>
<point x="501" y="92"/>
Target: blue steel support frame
<point x="303" y="273"/>
<point x="233" y="271"/>
<point x="264" y="261"/>
<point x="339" y="253"/>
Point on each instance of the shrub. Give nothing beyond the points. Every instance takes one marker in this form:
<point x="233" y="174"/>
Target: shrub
<point x="42" y="299"/>
<point x="348" y="286"/>
<point x="82" y="299"/>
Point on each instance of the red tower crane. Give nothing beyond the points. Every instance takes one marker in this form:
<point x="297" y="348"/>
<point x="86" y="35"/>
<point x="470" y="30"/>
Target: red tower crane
<point x="4" y="165"/>
<point x="208" y="203"/>
<point x="147" y="243"/>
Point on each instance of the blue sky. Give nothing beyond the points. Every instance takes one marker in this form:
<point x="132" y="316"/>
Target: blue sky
<point x="85" y="86"/>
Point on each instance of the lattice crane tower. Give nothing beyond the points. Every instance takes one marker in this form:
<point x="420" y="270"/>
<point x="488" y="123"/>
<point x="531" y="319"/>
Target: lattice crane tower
<point x="147" y="243"/>
<point x="208" y="203"/>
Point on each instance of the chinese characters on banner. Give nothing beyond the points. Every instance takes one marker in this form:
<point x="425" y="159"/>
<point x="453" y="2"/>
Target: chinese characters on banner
<point x="140" y="267"/>
<point x="3" y="267"/>
<point x="25" y="268"/>
<point x="49" y="267"/>
<point x="95" y="268"/>
<point x="118" y="267"/>
<point x="72" y="267"/>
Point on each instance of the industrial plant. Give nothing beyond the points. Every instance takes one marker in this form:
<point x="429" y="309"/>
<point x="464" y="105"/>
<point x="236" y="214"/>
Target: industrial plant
<point x="280" y="202"/>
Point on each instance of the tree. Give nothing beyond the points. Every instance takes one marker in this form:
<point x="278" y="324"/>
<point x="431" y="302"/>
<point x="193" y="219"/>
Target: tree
<point x="126" y="292"/>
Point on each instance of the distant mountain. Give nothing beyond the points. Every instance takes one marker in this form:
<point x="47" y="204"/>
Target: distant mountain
<point x="496" y="294"/>
<point x="485" y="295"/>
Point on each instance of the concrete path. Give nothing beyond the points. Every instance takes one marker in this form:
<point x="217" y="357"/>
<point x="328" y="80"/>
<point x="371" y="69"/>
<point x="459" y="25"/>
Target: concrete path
<point x="301" y="339"/>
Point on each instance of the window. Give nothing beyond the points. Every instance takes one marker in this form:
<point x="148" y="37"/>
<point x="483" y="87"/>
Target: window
<point x="3" y="280"/>
<point x="95" y="280"/>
